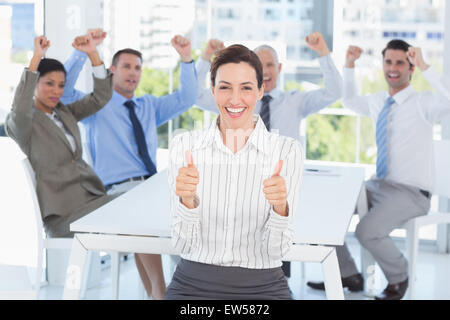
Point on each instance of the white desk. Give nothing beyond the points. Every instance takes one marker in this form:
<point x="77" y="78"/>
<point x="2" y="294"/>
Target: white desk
<point x="139" y="221"/>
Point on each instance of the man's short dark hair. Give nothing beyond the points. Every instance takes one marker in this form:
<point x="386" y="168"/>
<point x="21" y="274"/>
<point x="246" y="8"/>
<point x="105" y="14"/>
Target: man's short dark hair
<point x="47" y="65"/>
<point x="235" y="54"/>
<point x="125" y="51"/>
<point x="397" y="44"/>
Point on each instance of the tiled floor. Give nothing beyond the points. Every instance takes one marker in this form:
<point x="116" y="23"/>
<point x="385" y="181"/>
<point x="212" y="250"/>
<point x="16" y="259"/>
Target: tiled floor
<point x="433" y="279"/>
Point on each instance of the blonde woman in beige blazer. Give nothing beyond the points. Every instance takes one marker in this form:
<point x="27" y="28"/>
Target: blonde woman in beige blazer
<point x="47" y="132"/>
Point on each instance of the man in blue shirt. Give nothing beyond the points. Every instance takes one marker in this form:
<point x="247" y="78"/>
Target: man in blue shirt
<point x="122" y="153"/>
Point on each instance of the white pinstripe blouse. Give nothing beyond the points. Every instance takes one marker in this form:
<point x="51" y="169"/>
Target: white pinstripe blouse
<point x="234" y="224"/>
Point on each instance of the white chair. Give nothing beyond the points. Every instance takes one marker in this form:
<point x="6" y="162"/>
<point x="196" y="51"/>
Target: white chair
<point x="46" y="243"/>
<point x="442" y="188"/>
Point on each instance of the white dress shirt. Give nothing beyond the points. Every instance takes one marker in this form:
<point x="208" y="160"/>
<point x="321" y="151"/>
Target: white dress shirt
<point x="234" y="224"/>
<point x="287" y="109"/>
<point x="100" y="73"/>
<point x="54" y="117"/>
<point x="410" y="125"/>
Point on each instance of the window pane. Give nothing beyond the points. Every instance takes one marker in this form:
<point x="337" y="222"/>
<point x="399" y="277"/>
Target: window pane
<point x="331" y="138"/>
<point x="367" y="144"/>
<point x="19" y="25"/>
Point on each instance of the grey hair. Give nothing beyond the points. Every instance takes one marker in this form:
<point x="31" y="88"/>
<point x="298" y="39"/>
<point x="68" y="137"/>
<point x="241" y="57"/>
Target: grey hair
<point x="266" y="47"/>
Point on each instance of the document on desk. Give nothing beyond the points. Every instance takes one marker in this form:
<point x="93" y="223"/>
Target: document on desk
<point x="321" y="172"/>
<point x="328" y="197"/>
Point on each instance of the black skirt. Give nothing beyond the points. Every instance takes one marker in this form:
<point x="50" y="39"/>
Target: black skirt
<point x="199" y="281"/>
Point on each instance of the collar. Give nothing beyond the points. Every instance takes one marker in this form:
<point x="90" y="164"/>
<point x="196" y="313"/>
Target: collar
<point x="54" y="115"/>
<point x="259" y="138"/>
<point x="50" y="115"/>
<point x="275" y="93"/>
<point x="402" y="96"/>
<point x="120" y="99"/>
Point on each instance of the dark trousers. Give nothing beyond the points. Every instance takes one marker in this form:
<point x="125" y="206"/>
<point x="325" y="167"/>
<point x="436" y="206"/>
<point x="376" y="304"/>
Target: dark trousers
<point x="286" y="267"/>
<point x="2" y="131"/>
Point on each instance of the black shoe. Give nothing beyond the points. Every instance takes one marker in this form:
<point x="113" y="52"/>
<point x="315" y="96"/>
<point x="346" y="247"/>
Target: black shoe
<point x="394" y="291"/>
<point x="354" y="283"/>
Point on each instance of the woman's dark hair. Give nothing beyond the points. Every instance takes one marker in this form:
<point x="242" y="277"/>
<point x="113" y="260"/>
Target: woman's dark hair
<point x="397" y="44"/>
<point x="49" y="65"/>
<point x="235" y="54"/>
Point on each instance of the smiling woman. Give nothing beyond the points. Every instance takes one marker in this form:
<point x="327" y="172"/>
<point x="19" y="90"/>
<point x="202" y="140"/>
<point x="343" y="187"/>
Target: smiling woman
<point x="234" y="188"/>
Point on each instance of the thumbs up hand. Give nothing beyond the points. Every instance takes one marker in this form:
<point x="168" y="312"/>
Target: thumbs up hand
<point x="187" y="181"/>
<point x="276" y="192"/>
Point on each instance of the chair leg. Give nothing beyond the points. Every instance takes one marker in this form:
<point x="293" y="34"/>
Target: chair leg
<point x="368" y="272"/>
<point x="303" y="270"/>
<point x="367" y="261"/>
<point x="115" y="274"/>
<point x="39" y="272"/>
<point x="412" y="231"/>
<point x="84" y="283"/>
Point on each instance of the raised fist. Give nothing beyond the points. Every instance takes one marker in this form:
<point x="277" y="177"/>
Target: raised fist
<point x="212" y="47"/>
<point x="98" y="35"/>
<point x="41" y="45"/>
<point x="183" y="46"/>
<point x="416" y="58"/>
<point x="84" y="43"/>
<point x="353" y="54"/>
<point x="316" y="42"/>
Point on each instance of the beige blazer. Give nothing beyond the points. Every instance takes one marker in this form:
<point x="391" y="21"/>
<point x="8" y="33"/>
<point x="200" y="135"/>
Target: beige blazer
<point x="64" y="181"/>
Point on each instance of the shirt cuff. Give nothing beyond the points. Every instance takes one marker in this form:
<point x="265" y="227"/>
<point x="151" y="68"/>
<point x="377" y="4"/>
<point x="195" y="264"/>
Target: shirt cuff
<point x="202" y="64"/>
<point x="348" y="72"/>
<point x="325" y="61"/>
<point x="187" y="66"/>
<point x="431" y="74"/>
<point x="188" y="215"/>
<point x="79" y="55"/>
<point x="278" y="222"/>
<point x="99" y="72"/>
<point x="34" y="72"/>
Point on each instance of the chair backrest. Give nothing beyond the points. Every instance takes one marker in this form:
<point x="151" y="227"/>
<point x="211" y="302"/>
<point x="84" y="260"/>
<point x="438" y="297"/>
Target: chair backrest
<point x="49" y="243"/>
<point x="442" y="167"/>
<point x="31" y="179"/>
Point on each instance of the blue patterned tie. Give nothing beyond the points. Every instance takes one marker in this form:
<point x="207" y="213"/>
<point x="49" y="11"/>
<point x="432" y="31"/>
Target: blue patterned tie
<point x="381" y="135"/>
<point x="140" y="138"/>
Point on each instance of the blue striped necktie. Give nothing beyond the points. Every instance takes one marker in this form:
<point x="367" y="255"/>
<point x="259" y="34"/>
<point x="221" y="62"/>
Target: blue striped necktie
<point x="381" y="136"/>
